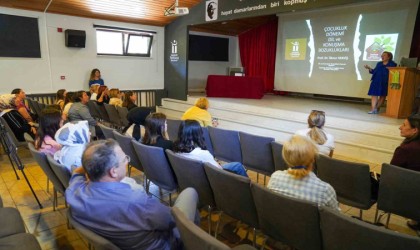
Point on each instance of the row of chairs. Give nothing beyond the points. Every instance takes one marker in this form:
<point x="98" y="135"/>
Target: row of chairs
<point x="36" y="106"/>
<point x="114" y="115"/>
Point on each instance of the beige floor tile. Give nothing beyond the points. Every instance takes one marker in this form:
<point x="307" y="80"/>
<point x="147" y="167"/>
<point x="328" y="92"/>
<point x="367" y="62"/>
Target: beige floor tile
<point x="44" y="221"/>
<point x="60" y="238"/>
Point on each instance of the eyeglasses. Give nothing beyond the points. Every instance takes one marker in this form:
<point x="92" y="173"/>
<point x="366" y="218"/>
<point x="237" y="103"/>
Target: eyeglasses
<point x="127" y="158"/>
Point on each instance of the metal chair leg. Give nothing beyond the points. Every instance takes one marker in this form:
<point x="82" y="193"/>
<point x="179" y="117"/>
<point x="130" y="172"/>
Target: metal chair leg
<point x="361" y="214"/>
<point x="387" y="220"/>
<point x="217" y="224"/>
<point x="209" y="218"/>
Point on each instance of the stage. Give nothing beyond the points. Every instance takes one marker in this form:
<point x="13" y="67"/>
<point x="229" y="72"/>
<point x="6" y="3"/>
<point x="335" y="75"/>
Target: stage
<point x="358" y="135"/>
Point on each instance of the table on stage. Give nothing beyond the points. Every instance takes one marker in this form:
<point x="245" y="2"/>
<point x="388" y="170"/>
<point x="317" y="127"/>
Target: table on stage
<point x="235" y="86"/>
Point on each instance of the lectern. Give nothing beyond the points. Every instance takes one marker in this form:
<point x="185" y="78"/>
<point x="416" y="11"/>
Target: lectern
<point x="403" y="84"/>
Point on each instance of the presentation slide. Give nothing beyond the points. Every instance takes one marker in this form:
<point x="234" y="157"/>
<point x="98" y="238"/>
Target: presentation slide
<point x="324" y="51"/>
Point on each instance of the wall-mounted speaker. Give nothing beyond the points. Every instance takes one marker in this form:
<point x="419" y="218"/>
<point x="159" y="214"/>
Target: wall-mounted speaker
<point x="75" y="38"/>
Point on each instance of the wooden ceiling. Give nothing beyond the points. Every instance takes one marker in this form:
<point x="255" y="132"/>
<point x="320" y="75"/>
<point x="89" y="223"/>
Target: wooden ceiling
<point x="149" y="12"/>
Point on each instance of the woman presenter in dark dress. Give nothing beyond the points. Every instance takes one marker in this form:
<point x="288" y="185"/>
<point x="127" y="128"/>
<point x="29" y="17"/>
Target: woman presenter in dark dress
<point x="379" y="82"/>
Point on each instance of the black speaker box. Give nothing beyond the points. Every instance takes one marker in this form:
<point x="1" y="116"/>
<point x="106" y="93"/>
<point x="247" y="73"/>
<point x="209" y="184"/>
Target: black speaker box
<point x="75" y="38"/>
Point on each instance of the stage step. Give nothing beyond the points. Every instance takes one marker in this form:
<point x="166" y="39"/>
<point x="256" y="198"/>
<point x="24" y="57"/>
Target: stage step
<point x="371" y="141"/>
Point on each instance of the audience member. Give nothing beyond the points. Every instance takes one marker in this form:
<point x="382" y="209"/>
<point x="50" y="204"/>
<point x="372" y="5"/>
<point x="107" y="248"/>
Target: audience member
<point x="95" y="78"/>
<point x="73" y="137"/>
<point x="190" y="143"/>
<point x="316" y="132"/>
<point x="299" y="181"/>
<point x="68" y="101"/>
<point x="155" y="131"/>
<point x="128" y="218"/>
<point x="78" y="110"/>
<point x="115" y="97"/>
<point x="102" y="96"/>
<point x="137" y="118"/>
<point x="60" y="98"/>
<point x="21" y="107"/>
<point x="50" y="122"/>
<point x="93" y="92"/>
<point x="129" y="100"/>
<point x="199" y="113"/>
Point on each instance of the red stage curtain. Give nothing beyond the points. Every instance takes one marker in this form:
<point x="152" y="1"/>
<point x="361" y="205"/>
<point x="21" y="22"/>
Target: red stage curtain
<point x="258" y="52"/>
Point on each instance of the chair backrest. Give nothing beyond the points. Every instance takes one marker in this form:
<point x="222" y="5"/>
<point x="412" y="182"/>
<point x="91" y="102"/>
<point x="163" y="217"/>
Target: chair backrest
<point x="286" y="219"/>
<point x="232" y="194"/>
<point x="99" y="242"/>
<point x="62" y="173"/>
<point x="42" y="161"/>
<point x="226" y="144"/>
<point x="207" y="140"/>
<point x="11" y="135"/>
<point x="32" y="104"/>
<point x="127" y="147"/>
<point x="193" y="237"/>
<point x="113" y="115"/>
<point x="276" y="149"/>
<point x="173" y="126"/>
<point x="93" y="109"/>
<point x="350" y="180"/>
<point x="190" y="173"/>
<point x="399" y="191"/>
<point x="102" y="112"/>
<point x="344" y="232"/>
<point x="108" y="132"/>
<point x="256" y="153"/>
<point x="156" y="166"/>
<point x="123" y="112"/>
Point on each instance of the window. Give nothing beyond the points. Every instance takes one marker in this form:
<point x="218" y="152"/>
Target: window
<point x="123" y="42"/>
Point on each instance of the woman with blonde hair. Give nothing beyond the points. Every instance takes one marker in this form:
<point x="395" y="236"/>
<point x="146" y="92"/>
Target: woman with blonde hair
<point x="199" y="113"/>
<point x="115" y="97"/>
<point x="298" y="180"/>
<point x="316" y="132"/>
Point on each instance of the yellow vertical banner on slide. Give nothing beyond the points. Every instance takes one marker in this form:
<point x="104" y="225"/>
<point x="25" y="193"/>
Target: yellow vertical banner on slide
<point x="295" y="49"/>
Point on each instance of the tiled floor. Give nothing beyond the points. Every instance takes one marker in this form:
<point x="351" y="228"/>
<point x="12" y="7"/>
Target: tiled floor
<point x="50" y="227"/>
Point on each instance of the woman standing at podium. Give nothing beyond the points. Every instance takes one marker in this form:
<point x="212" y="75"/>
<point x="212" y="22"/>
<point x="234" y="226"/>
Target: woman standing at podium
<point x="379" y="82"/>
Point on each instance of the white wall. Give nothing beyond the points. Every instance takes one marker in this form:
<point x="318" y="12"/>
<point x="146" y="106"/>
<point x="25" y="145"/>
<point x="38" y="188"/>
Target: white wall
<point x="42" y="75"/>
<point x="199" y="70"/>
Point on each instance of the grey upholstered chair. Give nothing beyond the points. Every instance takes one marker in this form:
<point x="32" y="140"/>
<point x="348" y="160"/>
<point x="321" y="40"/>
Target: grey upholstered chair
<point x="10" y="222"/>
<point x="343" y="232"/>
<point x="226" y="144"/>
<point x="190" y="173"/>
<point x="12" y="135"/>
<point x="350" y="180"/>
<point x="102" y="112"/>
<point x="42" y="161"/>
<point x="207" y="140"/>
<point x="257" y="154"/>
<point x="108" y="132"/>
<point x="193" y="237"/>
<point x="123" y="112"/>
<point x="95" y="240"/>
<point x="399" y="192"/>
<point x="62" y="173"/>
<point x="233" y="196"/>
<point x="156" y="167"/>
<point x="286" y="219"/>
<point x="173" y="126"/>
<point x="94" y="112"/>
<point x="113" y="115"/>
<point x="19" y="241"/>
<point x="127" y="147"/>
<point x="276" y="149"/>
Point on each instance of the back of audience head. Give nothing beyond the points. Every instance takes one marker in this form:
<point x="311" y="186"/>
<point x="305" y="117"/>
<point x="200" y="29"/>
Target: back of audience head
<point x="190" y="136"/>
<point x="412" y="132"/>
<point x="61" y="94"/>
<point x="94" y="88"/>
<point x="202" y="103"/>
<point x="114" y="93"/>
<point x="155" y="127"/>
<point x="100" y="157"/>
<point x="101" y="89"/>
<point x="69" y="97"/>
<point x="316" y="121"/>
<point x="49" y="122"/>
<point x="299" y="152"/>
<point x="128" y="95"/>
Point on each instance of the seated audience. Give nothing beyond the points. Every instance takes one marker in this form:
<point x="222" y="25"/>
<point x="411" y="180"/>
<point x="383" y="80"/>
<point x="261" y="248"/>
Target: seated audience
<point x="199" y="113"/>
<point x="95" y="78"/>
<point x="155" y="131"/>
<point x="316" y="132"/>
<point x="68" y="101"/>
<point x="60" y="98"/>
<point x="129" y="218"/>
<point x="102" y="96"/>
<point x="93" y="92"/>
<point x="136" y="118"/>
<point x="115" y="97"/>
<point x="129" y="100"/>
<point x="21" y="106"/>
<point x="73" y="137"/>
<point x="190" y="143"/>
<point x="49" y="123"/>
<point x="299" y="181"/>
<point x="78" y="110"/>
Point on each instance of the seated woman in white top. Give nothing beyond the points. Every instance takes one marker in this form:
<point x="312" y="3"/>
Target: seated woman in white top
<point x="298" y="180"/>
<point x="323" y="140"/>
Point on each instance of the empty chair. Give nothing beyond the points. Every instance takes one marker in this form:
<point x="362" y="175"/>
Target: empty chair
<point x="156" y="167"/>
<point x="207" y="140"/>
<point x="173" y="126"/>
<point x="286" y="219"/>
<point x="93" y="109"/>
<point x="257" y="154"/>
<point x="279" y="163"/>
<point x="97" y="241"/>
<point x="233" y="196"/>
<point x="108" y="132"/>
<point x="193" y="237"/>
<point x="226" y="144"/>
<point x="60" y="171"/>
<point x="122" y="112"/>
<point x="127" y="147"/>
<point x="399" y="192"/>
<point x="42" y="161"/>
<point x="350" y="180"/>
<point x="113" y="115"/>
<point x="343" y="232"/>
